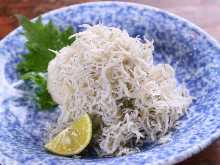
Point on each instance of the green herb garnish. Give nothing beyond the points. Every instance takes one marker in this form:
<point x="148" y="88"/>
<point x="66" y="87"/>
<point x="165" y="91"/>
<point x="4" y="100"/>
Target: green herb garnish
<point x="33" y="66"/>
<point x="39" y="83"/>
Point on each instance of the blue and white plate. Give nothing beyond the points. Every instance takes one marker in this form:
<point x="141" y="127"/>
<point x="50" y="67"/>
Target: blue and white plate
<point x="194" y="54"/>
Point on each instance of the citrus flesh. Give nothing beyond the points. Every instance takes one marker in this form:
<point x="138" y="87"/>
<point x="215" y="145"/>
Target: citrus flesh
<point x="73" y="139"/>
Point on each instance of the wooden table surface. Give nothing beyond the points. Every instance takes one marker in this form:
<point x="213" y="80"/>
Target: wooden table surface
<point x="205" y="13"/>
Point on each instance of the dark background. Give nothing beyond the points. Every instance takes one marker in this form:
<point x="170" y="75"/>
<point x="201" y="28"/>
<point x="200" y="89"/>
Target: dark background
<point x="205" y="13"/>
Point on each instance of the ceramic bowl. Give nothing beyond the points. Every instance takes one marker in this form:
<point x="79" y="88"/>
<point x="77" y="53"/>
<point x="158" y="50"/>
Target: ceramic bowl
<point x="191" y="51"/>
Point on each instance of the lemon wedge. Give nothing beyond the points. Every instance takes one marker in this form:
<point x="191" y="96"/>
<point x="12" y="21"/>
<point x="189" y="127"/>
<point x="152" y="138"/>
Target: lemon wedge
<point x="73" y="139"/>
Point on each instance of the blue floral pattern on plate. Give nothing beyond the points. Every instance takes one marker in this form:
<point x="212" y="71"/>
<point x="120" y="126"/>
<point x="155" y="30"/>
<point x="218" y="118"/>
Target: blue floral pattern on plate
<point x="193" y="53"/>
